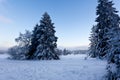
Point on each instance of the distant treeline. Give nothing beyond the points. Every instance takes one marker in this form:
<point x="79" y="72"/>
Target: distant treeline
<point x="3" y="51"/>
<point x="68" y="52"/>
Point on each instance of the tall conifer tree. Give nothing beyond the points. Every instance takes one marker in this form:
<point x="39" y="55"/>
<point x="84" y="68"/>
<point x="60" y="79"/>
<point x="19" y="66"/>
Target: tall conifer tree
<point x="108" y="38"/>
<point x="44" y="40"/>
<point x="106" y="14"/>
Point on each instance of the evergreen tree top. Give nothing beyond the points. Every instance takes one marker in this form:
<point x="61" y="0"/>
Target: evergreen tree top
<point x="102" y="0"/>
<point x="105" y="6"/>
<point x="106" y="11"/>
<point x="46" y="15"/>
<point x="46" y="19"/>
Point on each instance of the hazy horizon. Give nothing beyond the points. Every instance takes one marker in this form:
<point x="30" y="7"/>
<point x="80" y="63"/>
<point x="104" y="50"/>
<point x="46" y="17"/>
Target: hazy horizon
<point x="59" y="47"/>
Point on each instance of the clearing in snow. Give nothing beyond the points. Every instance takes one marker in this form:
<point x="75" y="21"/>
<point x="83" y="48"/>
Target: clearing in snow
<point x="71" y="67"/>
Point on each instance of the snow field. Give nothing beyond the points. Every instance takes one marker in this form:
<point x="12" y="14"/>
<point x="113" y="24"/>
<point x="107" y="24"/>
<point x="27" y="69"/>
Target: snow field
<point x="71" y="67"/>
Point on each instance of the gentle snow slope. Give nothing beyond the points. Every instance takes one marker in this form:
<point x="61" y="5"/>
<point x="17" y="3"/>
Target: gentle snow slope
<point x="68" y="68"/>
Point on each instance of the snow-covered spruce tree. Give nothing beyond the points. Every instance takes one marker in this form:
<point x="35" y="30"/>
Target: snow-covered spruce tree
<point x="105" y="11"/>
<point x="109" y="37"/>
<point x="94" y="40"/>
<point x="44" y="40"/>
<point x="103" y="23"/>
<point x="113" y="67"/>
<point x="113" y="55"/>
<point x="34" y="41"/>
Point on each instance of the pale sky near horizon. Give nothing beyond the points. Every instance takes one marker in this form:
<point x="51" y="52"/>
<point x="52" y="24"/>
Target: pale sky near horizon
<point x="73" y="19"/>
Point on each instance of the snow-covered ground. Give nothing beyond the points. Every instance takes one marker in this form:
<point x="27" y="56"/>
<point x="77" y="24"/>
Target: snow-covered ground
<point x="68" y="68"/>
<point x="4" y="56"/>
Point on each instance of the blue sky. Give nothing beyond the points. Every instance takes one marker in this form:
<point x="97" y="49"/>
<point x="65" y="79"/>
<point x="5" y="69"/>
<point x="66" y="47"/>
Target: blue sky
<point x="73" y="19"/>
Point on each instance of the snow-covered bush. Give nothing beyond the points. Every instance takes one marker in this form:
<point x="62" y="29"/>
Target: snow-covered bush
<point x="19" y="51"/>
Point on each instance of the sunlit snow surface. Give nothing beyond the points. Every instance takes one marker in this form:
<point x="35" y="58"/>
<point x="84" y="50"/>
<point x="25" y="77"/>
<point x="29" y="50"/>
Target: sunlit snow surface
<point x="71" y="67"/>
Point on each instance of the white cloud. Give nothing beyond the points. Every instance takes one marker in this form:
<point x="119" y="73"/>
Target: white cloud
<point x="4" y="19"/>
